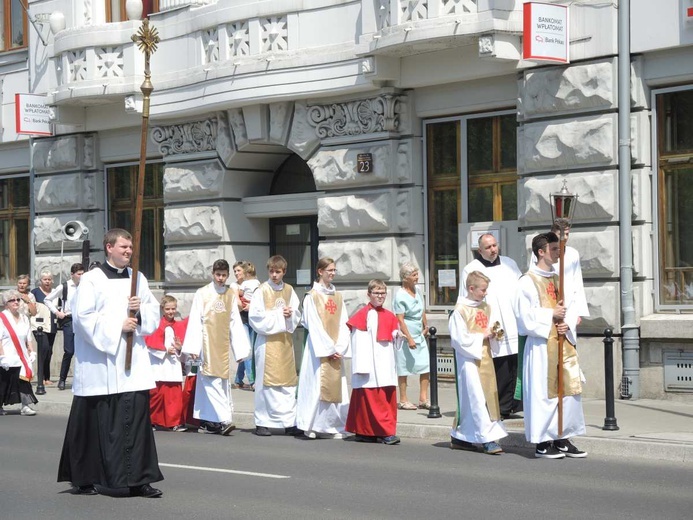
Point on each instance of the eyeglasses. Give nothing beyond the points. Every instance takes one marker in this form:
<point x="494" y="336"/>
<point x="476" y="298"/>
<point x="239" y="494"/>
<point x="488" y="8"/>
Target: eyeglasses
<point x="14" y="300"/>
<point x="379" y="293"/>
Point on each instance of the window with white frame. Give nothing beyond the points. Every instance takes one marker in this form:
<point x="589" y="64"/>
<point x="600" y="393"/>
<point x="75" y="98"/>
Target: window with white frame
<point x="477" y="153"/>
<point x="674" y="197"/>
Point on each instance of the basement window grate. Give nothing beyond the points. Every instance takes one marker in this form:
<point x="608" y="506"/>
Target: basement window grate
<point x="678" y="371"/>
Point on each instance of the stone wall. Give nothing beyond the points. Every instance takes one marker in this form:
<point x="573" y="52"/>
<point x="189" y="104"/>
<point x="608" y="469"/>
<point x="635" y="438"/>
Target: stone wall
<point x="69" y="185"/>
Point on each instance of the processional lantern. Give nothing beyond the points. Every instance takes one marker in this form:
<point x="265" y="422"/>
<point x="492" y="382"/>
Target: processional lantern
<point x="563" y="205"/>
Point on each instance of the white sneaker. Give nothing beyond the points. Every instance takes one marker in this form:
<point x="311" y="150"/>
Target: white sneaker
<point x="340" y="436"/>
<point x="310" y="434"/>
<point x="27" y="411"/>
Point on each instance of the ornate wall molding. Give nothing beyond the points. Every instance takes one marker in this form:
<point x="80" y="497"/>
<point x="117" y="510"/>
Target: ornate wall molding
<point x="197" y="136"/>
<point x="365" y="116"/>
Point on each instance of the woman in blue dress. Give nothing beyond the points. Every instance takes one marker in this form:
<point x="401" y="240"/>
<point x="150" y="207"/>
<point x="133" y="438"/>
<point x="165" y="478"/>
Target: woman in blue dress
<point x="412" y="358"/>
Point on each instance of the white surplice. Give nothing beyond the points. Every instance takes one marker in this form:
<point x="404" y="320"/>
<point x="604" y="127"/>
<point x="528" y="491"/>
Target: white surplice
<point x="166" y="366"/>
<point x="275" y="406"/>
<point x="99" y="309"/>
<point x="573" y="285"/>
<point x="499" y="296"/>
<point x="373" y="363"/>
<point x="312" y="414"/>
<point x="475" y="425"/>
<point x="541" y="412"/>
<point x="213" y="394"/>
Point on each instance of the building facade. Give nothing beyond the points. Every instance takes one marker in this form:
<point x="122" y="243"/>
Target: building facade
<point x="372" y="131"/>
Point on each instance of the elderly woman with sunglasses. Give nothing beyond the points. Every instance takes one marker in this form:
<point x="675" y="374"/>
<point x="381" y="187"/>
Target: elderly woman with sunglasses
<point x="16" y="355"/>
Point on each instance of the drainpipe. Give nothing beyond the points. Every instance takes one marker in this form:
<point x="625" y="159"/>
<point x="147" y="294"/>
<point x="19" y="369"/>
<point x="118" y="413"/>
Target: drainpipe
<point x="630" y="384"/>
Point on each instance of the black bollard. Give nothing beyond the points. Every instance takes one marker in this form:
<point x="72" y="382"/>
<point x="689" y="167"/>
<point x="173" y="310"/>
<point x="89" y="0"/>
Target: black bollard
<point x="40" y="353"/>
<point x="434" y="410"/>
<point x="610" y="419"/>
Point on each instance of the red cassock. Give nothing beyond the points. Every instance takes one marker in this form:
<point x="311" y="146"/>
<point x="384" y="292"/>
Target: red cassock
<point x="166" y="400"/>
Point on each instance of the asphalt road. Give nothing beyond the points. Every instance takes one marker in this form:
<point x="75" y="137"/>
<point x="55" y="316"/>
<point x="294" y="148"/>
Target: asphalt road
<point x="243" y="476"/>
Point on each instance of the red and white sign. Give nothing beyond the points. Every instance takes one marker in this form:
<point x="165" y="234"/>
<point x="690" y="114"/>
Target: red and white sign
<point x="32" y="114"/>
<point x="545" y="32"/>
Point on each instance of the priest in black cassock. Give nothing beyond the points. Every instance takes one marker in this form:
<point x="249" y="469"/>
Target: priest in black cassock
<point x="109" y="443"/>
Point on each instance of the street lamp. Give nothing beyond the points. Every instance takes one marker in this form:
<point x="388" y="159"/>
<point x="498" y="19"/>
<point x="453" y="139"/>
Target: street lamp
<point x="562" y="208"/>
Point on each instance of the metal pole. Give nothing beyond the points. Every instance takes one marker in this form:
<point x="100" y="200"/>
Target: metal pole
<point x="434" y="410"/>
<point x="610" y="419"/>
<point x="630" y="386"/>
<point x="41" y="347"/>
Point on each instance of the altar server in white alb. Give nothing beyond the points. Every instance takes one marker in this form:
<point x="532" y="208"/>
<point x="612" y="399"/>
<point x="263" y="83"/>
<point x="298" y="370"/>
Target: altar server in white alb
<point x="541" y="317"/>
<point x="323" y="397"/>
<point x="478" y="412"/>
<point x="274" y="315"/>
<point x="109" y="440"/>
<point x="503" y="274"/>
<point x="214" y="329"/>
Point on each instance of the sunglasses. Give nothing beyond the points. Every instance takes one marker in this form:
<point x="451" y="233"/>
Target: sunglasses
<point x="14" y="300"/>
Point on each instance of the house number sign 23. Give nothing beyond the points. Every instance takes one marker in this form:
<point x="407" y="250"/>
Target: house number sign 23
<point x="364" y="163"/>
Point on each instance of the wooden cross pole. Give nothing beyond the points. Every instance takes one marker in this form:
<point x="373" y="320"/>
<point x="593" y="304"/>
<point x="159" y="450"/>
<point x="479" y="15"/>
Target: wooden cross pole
<point x="147" y="38"/>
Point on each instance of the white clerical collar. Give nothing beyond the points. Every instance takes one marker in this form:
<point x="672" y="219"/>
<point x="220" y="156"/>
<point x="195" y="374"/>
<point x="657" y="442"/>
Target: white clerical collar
<point x="116" y="269"/>
<point x="275" y="286"/>
<point x="541" y="272"/>
<point x="325" y="290"/>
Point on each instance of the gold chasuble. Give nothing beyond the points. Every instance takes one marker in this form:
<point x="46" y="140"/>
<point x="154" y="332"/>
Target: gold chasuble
<point x="548" y="295"/>
<point x="215" y="332"/>
<point x="476" y="319"/>
<point x="329" y="307"/>
<point x="280" y="366"/>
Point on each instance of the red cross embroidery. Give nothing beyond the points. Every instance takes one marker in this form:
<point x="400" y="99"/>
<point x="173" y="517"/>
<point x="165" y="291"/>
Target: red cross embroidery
<point x="551" y="291"/>
<point x="481" y="320"/>
<point x="331" y="306"/>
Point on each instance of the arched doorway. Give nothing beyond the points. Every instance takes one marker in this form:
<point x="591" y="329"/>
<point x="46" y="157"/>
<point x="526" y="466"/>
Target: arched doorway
<point x="295" y="237"/>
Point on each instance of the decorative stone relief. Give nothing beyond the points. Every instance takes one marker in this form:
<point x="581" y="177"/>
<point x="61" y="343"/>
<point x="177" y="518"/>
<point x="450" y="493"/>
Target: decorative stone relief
<point x="642" y="247"/>
<point x="54" y="264"/>
<point x="556" y="90"/>
<point x="405" y="160"/>
<point x="642" y="194"/>
<point x="354" y="214"/>
<point x="109" y="62"/>
<point x="459" y="6"/>
<point x="337" y="168"/>
<point x="274" y="34"/>
<point x="71" y="191"/>
<point x="237" y="124"/>
<point x="197" y="136"/>
<point x="302" y="138"/>
<point x="71" y="152"/>
<point x="362" y="260"/>
<point x="604" y="307"/>
<point x="580" y="142"/>
<point x="597" y="197"/>
<point x="183" y="266"/>
<point x="413" y="10"/>
<point x="365" y="116"/>
<point x="280" y="122"/>
<point x="77" y="65"/>
<point x="193" y="224"/>
<point x="383" y="14"/>
<point x="640" y="138"/>
<point x="210" y="45"/>
<point x="238" y="38"/>
<point x="598" y="250"/>
<point x="48" y="234"/>
<point x="226" y="146"/>
<point x="192" y="181"/>
<point x="411" y="249"/>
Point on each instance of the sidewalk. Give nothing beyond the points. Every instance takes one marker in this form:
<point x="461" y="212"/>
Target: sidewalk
<point x="649" y="429"/>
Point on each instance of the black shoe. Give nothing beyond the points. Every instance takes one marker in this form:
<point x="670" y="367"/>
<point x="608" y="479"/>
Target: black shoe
<point x="40" y="391"/>
<point x="456" y="444"/>
<point x="364" y="438"/>
<point x="146" y="491"/>
<point x="569" y="449"/>
<point x="227" y="428"/>
<point x="86" y="490"/>
<point x="390" y="440"/>
<point x="546" y="450"/>
<point x="293" y="430"/>
<point x="61" y="385"/>
<point x="262" y="431"/>
<point x="209" y="427"/>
